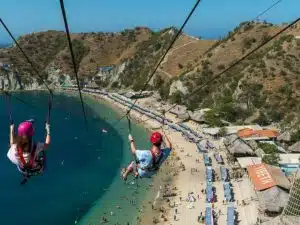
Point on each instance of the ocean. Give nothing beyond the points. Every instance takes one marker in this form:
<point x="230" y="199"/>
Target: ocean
<point x="81" y="183"/>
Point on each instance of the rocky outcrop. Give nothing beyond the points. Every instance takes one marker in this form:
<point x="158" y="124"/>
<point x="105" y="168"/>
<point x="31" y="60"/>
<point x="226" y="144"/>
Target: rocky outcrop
<point x="181" y="112"/>
<point x="110" y="77"/>
<point x="286" y="136"/>
<point x="12" y="80"/>
<point x="197" y="116"/>
<point x="178" y="86"/>
<point x="295" y="147"/>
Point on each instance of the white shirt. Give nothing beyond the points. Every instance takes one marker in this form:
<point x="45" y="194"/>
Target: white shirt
<point x="13" y="156"/>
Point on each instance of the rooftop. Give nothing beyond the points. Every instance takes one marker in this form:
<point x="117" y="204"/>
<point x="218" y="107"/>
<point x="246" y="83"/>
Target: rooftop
<point x="264" y="176"/>
<point x="289" y="158"/>
<point x="247" y="161"/>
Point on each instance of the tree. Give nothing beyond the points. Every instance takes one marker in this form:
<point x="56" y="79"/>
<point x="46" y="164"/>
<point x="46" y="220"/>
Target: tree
<point x="268" y="148"/>
<point x="295" y="136"/>
<point x="212" y="118"/>
<point x="180" y="66"/>
<point x="222" y="131"/>
<point x="176" y="97"/>
<point x="272" y="159"/>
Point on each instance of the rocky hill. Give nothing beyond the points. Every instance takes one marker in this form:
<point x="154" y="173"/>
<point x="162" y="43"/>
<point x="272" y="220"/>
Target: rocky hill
<point x="264" y="88"/>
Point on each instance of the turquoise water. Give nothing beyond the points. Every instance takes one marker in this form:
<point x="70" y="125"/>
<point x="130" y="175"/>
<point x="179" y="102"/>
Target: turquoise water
<point x="82" y="177"/>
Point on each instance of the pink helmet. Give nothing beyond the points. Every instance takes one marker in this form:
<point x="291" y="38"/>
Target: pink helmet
<point x="25" y="129"/>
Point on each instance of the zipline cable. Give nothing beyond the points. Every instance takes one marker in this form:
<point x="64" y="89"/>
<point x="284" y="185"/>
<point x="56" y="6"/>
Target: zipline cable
<point x="73" y="59"/>
<point x="210" y="49"/>
<point x="234" y="64"/>
<point x="30" y="62"/>
<point x="232" y="34"/>
<point x="163" y="57"/>
<point x="269" y="8"/>
<point x="26" y="57"/>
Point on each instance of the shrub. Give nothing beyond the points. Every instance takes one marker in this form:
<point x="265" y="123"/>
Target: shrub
<point x="176" y="97"/>
<point x="272" y="159"/>
<point x="295" y="136"/>
<point x="221" y="67"/>
<point x="286" y="89"/>
<point x="222" y="131"/>
<point x="212" y="119"/>
<point x="265" y="37"/>
<point x="247" y="42"/>
<point x="275" y="116"/>
<point x="165" y="90"/>
<point x="180" y="65"/>
<point x="158" y="81"/>
<point x="209" y="55"/>
<point x="283" y="73"/>
<point x="262" y="119"/>
<point x="80" y="50"/>
<point x="268" y="148"/>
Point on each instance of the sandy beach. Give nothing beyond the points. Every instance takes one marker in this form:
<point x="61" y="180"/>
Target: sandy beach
<point x="183" y="175"/>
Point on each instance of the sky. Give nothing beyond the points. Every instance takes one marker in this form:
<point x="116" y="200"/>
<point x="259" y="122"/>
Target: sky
<point x="212" y="18"/>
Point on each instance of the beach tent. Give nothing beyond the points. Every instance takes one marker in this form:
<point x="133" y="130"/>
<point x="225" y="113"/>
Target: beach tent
<point x="206" y="160"/>
<point x="184" y="126"/>
<point x="209" y="174"/>
<point x="228" y="192"/>
<point x="209" y="220"/>
<point x="224" y="173"/>
<point x="209" y="193"/>
<point x="218" y="158"/>
<point x="230" y="216"/>
<point x="200" y="147"/>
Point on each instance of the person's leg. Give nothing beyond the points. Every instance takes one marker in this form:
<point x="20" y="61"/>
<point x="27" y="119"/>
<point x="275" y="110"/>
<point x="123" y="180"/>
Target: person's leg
<point x="128" y="170"/>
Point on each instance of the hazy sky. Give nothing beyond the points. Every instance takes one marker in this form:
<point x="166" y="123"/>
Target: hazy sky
<point x="213" y="18"/>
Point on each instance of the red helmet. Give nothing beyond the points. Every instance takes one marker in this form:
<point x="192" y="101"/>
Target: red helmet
<point x="156" y="138"/>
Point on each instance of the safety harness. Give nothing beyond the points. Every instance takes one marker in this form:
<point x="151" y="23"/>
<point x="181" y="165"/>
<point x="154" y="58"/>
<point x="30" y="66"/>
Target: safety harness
<point x="27" y="168"/>
<point x="155" y="163"/>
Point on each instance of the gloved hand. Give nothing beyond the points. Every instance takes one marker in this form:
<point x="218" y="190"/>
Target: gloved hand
<point x="47" y="128"/>
<point x="130" y="138"/>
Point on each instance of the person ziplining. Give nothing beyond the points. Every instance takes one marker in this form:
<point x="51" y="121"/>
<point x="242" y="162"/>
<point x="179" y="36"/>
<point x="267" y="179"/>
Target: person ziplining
<point x="24" y="152"/>
<point x="28" y="155"/>
<point x="148" y="162"/>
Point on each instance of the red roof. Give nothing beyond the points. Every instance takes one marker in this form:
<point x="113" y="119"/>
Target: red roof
<point x="264" y="176"/>
<point x="247" y="132"/>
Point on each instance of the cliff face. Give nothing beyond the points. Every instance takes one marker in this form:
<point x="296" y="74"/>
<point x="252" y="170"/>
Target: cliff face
<point x="10" y="80"/>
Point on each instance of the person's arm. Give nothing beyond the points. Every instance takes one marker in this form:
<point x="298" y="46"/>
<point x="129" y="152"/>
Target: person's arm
<point x="12" y="134"/>
<point x="167" y="141"/>
<point x="48" y="138"/>
<point x="132" y="144"/>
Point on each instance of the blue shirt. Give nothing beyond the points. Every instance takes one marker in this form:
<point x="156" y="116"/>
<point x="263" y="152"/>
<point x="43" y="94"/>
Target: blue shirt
<point x="145" y="161"/>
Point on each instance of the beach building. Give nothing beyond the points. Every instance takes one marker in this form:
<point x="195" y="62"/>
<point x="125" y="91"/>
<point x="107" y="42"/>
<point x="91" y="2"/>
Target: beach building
<point x="289" y="163"/>
<point x="230" y="129"/>
<point x="106" y="68"/>
<point x="244" y="162"/>
<point x="237" y="147"/>
<point x="271" y="187"/>
<point x="257" y="134"/>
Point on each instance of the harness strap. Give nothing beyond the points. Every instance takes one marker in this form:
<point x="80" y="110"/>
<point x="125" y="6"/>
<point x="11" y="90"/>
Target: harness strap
<point x="154" y="162"/>
<point x="28" y="165"/>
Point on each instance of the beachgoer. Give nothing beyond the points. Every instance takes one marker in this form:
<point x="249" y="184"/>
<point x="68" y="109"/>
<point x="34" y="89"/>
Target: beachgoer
<point x="147" y="161"/>
<point x="24" y="152"/>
